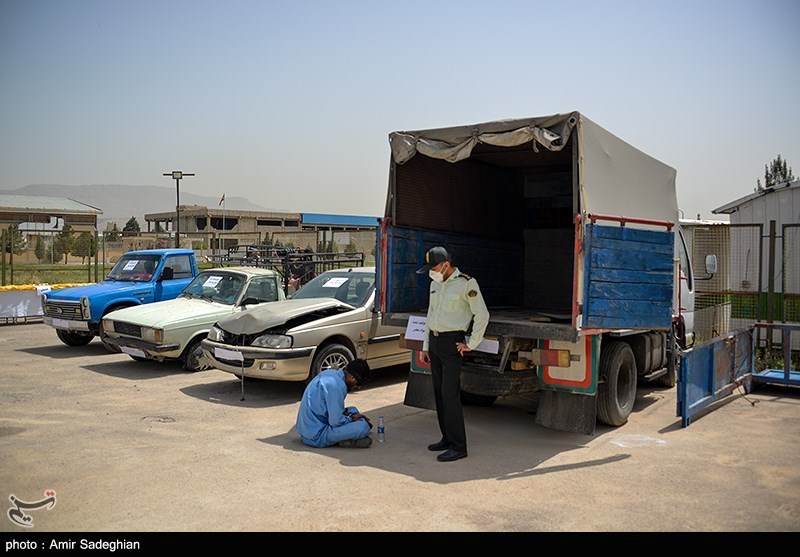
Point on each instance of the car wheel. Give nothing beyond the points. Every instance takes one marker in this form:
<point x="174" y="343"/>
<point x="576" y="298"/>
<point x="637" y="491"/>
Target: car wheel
<point x="74" y="338"/>
<point x="193" y="359"/>
<point x="330" y="356"/>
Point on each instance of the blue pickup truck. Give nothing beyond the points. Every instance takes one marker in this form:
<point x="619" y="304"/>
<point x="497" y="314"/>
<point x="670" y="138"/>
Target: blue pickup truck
<point x="139" y="277"/>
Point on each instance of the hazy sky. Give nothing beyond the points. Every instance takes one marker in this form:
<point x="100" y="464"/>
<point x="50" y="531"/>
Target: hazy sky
<point x="290" y="103"/>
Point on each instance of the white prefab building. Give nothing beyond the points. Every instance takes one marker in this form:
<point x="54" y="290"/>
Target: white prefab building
<point x="780" y="204"/>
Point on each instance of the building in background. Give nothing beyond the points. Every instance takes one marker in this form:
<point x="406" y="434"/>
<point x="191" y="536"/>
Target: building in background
<point x="216" y="229"/>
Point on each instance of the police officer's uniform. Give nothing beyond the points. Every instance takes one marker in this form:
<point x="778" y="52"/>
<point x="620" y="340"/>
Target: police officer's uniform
<point x="454" y="305"/>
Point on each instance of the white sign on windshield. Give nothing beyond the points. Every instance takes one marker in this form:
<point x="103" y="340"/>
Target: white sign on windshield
<point x="334" y="282"/>
<point x="130" y="265"/>
<point x="211" y="282"/>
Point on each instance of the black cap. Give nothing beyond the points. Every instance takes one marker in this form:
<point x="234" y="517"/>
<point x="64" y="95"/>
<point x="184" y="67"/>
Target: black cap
<point x="359" y="369"/>
<point x="433" y="257"/>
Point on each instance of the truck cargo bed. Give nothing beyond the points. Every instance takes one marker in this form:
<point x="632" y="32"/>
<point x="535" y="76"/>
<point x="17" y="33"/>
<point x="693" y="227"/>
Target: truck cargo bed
<point x="514" y="321"/>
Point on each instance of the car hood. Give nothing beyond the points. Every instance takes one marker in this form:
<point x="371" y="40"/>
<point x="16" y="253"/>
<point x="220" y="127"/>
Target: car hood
<point x="270" y="315"/>
<point x="77" y="292"/>
<point x="172" y="312"/>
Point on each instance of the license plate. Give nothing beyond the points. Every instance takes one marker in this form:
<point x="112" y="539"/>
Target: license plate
<point x="133" y="351"/>
<point x="61" y="324"/>
<point x="224" y="354"/>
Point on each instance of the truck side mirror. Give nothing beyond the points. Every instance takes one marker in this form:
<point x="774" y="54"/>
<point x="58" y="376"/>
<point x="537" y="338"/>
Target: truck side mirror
<point x="711" y="265"/>
<point x="167" y="274"/>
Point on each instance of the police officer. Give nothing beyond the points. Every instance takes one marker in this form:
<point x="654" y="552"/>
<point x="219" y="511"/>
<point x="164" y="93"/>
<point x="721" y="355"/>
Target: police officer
<point x="455" y="302"/>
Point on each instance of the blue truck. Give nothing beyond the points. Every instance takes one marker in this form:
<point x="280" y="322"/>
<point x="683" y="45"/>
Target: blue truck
<point x="575" y="240"/>
<point x="139" y="277"/>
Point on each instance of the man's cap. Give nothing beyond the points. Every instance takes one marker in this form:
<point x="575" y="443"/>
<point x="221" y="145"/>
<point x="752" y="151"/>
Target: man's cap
<point x="433" y="257"/>
<point x="359" y="369"/>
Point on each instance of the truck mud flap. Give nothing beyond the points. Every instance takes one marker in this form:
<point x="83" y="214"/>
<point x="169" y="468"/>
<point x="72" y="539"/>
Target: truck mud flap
<point x="712" y="370"/>
<point x="570" y="412"/>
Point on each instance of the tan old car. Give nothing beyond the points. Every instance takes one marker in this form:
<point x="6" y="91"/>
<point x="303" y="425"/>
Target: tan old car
<point x="327" y="323"/>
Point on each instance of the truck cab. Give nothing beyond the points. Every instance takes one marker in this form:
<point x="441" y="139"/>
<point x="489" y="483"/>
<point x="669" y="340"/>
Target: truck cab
<point x="139" y="277"/>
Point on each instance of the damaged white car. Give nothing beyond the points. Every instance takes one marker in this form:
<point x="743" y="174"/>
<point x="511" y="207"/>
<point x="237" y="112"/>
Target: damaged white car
<point x="327" y="323"/>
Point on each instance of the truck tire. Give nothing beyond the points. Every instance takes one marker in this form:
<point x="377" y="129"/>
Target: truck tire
<point x="477" y="381"/>
<point x="71" y="338"/>
<point x="192" y="359"/>
<point x="471" y="399"/>
<point x="330" y="356"/>
<point x="670" y="379"/>
<point x="616" y="393"/>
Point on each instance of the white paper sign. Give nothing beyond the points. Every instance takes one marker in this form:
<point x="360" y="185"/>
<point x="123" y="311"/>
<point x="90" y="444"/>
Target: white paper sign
<point x="335" y="282"/>
<point x="224" y="354"/>
<point x="133" y="351"/>
<point x="211" y="282"/>
<point x="415" y="330"/>
<point x="489" y="346"/>
<point x="130" y="265"/>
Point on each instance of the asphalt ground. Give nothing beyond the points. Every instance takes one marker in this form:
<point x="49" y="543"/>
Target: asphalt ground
<point x="144" y="447"/>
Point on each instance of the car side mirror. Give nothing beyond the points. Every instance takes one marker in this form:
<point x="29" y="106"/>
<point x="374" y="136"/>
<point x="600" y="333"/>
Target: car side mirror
<point x="248" y="301"/>
<point x="167" y="274"/>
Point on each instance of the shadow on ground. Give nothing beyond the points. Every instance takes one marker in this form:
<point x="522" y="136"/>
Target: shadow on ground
<point x="94" y="348"/>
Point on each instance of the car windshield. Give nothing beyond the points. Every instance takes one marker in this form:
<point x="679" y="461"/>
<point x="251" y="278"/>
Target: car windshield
<point x="348" y="287"/>
<point x="215" y="286"/>
<point x="134" y="267"/>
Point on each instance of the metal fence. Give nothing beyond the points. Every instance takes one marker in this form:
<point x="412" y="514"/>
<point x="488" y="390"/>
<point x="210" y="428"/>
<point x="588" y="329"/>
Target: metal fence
<point x="757" y="279"/>
<point x="731" y="299"/>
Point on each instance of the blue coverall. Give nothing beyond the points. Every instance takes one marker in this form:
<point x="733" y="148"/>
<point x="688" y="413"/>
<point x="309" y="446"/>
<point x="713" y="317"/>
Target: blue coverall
<point x="323" y="420"/>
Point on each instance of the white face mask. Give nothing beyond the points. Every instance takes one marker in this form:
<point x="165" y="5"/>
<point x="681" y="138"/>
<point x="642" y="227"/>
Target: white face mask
<point x="436" y="276"/>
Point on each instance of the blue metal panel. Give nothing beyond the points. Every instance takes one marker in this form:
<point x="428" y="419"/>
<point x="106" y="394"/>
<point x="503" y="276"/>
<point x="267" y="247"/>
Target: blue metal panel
<point x="711" y="371"/>
<point x="629" y="278"/>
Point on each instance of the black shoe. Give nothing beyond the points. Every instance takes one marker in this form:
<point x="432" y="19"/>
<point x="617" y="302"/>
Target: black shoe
<point x="440" y="446"/>
<point x="450" y="454"/>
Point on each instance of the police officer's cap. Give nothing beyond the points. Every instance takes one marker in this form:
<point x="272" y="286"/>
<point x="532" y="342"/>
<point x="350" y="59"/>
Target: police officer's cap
<point x="433" y="257"/>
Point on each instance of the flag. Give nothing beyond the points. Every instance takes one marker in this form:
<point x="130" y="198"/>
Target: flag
<point x="222" y="200"/>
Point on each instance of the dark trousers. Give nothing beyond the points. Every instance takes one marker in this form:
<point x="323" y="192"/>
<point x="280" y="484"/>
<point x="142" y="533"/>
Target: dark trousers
<point x="446" y="374"/>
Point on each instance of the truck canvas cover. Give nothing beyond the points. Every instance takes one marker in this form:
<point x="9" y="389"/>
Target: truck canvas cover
<point x="610" y="170"/>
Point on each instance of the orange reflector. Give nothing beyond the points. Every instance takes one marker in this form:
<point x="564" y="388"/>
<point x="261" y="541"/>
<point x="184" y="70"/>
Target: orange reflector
<point x="546" y="357"/>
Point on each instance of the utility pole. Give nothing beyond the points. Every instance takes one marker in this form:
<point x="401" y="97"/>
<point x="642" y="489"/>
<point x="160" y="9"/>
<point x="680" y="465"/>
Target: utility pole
<point x="177" y="175"/>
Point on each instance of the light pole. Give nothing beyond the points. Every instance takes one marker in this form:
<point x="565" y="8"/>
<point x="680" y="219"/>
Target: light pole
<point x="177" y="175"/>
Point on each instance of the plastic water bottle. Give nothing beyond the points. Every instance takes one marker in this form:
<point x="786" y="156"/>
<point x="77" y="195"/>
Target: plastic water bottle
<point x="381" y="430"/>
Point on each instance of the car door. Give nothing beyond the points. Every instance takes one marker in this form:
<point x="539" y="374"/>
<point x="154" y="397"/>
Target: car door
<point x="182" y="275"/>
<point x="383" y="341"/>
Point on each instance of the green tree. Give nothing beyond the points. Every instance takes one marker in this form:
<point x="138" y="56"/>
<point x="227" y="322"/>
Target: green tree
<point x="158" y="227"/>
<point x="113" y="235"/>
<point x="13" y="240"/>
<point x="351" y="247"/>
<point x="131" y="227"/>
<point x="84" y="246"/>
<point x="776" y="172"/>
<point x="62" y="243"/>
<point x="39" y="249"/>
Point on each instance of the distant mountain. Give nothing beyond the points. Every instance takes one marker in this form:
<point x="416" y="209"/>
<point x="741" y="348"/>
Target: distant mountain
<point x="119" y="203"/>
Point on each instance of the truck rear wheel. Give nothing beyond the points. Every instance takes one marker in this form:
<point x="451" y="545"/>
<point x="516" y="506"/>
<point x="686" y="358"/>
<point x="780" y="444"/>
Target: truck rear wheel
<point x="617" y="392"/>
<point x="71" y="338"/>
<point x="471" y="399"/>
